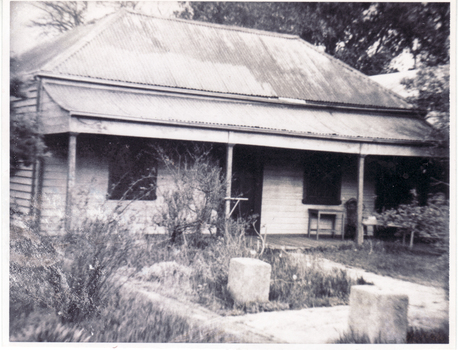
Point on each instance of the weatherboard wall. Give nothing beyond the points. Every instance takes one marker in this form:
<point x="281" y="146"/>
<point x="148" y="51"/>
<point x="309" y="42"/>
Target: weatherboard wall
<point x="22" y="183"/>
<point x="282" y="209"/>
<point x="90" y="201"/>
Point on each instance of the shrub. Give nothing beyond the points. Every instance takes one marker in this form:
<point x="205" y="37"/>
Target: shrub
<point x="430" y="222"/>
<point x="71" y="274"/>
<point x="31" y="257"/>
<point x="194" y="201"/>
<point x="93" y="253"/>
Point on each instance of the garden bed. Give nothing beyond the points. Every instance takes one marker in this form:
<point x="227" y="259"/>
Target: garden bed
<point x="74" y="285"/>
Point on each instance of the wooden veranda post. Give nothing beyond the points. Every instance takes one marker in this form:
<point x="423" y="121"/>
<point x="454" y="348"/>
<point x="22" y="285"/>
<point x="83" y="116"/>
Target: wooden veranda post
<point x="229" y="156"/>
<point x="71" y="175"/>
<point x="360" y="199"/>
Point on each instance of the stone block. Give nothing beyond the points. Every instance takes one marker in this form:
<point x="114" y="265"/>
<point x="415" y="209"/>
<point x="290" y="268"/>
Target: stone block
<point x="249" y="280"/>
<point x="378" y="313"/>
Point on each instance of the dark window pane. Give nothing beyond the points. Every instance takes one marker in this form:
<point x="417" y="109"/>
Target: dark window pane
<point x="133" y="173"/>
<point x="322" y="180"/>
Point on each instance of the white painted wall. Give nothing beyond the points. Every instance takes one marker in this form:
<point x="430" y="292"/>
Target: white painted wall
<point x="282" y="209"/>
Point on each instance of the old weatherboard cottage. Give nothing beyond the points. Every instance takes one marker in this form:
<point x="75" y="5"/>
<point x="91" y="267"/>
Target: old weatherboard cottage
<point x="302" y="133"/>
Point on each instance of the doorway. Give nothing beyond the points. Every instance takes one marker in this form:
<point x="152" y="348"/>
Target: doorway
<point x="247" y="182"/>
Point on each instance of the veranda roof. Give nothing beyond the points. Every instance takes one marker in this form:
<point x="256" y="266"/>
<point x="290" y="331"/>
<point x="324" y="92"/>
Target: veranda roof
<point x="257" y="117"/>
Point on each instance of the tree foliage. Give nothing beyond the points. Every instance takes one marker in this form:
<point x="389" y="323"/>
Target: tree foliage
<point x="26" y="142"/>
<point x="432" y="96"/>
<point x="116" y="5"/>
<point x="367" y="36"/>
<point x="429" y="222"/>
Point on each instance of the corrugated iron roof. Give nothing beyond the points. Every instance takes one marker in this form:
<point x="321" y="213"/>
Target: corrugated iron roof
<point x="140" y="49"/>
<point x="257" y="117"/>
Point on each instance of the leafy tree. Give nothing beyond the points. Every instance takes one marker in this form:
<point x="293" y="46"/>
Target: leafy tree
<point x="432" y="96"/>
<point x="367" y="36"/>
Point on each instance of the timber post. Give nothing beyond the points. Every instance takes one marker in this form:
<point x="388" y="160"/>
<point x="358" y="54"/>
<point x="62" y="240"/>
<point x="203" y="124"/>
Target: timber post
<point x="37" y="190"/>
<point x="360" y="201"/>
<point x="229" y="159"/>
<point x="71" y="176"/>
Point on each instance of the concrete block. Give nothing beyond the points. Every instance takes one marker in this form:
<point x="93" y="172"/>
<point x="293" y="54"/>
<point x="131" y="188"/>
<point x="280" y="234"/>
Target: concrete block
<point x="378" y="313"/>
<point x="249" y="280"/>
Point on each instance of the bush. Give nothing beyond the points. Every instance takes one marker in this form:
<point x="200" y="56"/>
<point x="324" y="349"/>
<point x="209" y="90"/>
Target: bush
<point x="48" y="329"/>
<point x="31" y="257"/>
<point x="429" y="223"/>
<point x="26" y="142"/>
<point x="194" y="201"/>
<point x="72" y="274"/>
<point x="92" y="255"/>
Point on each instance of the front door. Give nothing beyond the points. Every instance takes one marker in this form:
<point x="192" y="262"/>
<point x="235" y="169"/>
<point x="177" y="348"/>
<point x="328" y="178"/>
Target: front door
<point x="247" y="182"/>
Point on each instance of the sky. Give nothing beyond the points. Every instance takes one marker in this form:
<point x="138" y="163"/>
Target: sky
<point x="24" y="37"/>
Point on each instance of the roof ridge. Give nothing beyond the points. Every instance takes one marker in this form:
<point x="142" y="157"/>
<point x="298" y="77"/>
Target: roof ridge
<point x="221" y="26"/>
<point x="99" y="26"/>
<point x="354" y="70"/>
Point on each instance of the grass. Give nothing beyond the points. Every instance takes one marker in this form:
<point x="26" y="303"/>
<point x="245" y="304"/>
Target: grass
<point x="394" y="260"/>
<point x="131" y="320"/>
<point x="302" y="283"/>
<point x="439" y="335"/>
<point x="69" y="294"/>
<point x="201" y="275"/>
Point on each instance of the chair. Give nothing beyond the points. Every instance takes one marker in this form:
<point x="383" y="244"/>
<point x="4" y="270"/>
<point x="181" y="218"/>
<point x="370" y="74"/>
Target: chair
<point x="350" y="218"/>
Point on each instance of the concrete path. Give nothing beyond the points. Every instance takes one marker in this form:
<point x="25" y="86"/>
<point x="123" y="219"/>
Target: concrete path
<point x="306" y="326"/>
<point x="428" y="307"/>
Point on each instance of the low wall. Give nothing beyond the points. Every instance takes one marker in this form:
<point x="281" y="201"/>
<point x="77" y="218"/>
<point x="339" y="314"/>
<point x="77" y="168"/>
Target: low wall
<point x="201" y="317"/>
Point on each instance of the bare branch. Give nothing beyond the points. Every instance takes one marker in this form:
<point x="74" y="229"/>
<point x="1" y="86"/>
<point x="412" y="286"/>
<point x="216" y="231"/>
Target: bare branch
<point x="60" y="16"/>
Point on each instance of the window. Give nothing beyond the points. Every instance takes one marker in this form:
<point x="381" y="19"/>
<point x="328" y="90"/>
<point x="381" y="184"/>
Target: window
<point x="132" y="172"/>
<point x="322" y="180"/>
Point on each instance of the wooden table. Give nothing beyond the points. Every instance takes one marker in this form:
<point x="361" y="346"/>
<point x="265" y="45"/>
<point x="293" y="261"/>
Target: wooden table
<point x="337" y="213"/>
